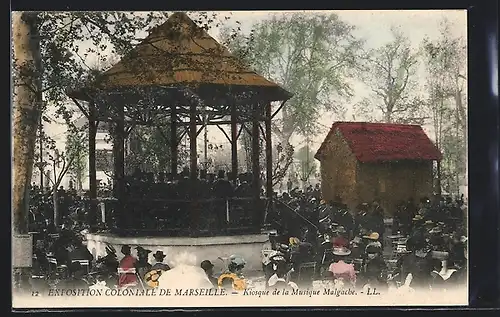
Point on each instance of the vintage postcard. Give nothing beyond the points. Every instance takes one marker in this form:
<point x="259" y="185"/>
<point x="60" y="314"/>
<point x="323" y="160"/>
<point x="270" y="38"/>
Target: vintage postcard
<point x="239" y="158"/>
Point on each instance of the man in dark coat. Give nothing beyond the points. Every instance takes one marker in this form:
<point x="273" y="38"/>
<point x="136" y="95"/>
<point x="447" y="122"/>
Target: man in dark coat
<point x="375" y="221"/>
<point x="109" y="262"/>
<point x="184" y="185"/>
<point x="159" y="265"/>
<point x="204" y="188"/>
<point x="222" y="191"/>
<point x="418" y="262"/>
<point x="402" y="219"/>
<point x="142" y="265"/>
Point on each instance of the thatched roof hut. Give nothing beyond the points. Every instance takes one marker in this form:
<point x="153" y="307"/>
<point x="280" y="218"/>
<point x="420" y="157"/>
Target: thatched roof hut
<point x="180" y="53"/>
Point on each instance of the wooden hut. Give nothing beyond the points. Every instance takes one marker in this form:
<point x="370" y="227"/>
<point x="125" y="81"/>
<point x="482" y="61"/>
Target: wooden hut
<point x="362" y="161"/>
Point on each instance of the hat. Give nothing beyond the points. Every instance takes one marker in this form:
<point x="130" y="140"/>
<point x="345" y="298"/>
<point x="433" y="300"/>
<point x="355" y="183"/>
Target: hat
<point x="294" y="241"/>
<point x="340" y="229"/>
<point x="283" y="247"/>
<point x="342" y="251"/>
<point x="237" y="260"/>
<point x="273" y="233"/>
<point x="372" y="236"/>
<point x="159" y="255"/>
<point x="142" y="250"/>
<point x="417" y="218"/>
<point x="206" y="265"/>
<point x="435" y="230"/>
<point x="125" y="248"/>
<point x="374" y="248"/>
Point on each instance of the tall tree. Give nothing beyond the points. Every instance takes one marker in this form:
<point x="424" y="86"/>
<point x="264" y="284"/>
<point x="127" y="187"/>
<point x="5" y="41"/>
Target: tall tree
<point x="391" y="76"/>
<point x="307" y="163"/>
<point x="26" y="114"/>
<point x="312" y="56"/>
<point x="46" y="60"/>
<point x="445" y="60"/>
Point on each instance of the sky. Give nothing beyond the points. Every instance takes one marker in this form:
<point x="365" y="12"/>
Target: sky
<point x="372" y="26"/>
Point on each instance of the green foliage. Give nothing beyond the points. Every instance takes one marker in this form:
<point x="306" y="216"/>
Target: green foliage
<point x="309" y="55"/>
<point x="283" y="160"/>
<point x="305" y="153"/>
<point x="77" y="149"/>
<point x="150" y="149"/>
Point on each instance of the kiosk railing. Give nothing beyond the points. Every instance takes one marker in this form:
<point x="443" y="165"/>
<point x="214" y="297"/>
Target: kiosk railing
<point x="178" y="217"/>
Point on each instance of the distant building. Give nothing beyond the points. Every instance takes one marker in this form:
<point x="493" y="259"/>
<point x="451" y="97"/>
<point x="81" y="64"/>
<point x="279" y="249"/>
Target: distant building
<point x="363" y="161"/>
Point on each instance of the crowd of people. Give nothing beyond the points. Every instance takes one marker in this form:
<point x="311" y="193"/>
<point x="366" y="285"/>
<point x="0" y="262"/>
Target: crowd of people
<point x="67" y="264"/>
<point x="360" y="247"/>
<point x="155" y="203"/>
<point x="312" y="239"/>
<point x="72" y="207"/>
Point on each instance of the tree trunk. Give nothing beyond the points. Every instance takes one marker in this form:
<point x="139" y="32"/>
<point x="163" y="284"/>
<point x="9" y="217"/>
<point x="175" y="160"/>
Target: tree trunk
<point x="26" y="113"/>
<point x="92" y="171"/>
<point x="388" y="117"/>
<point x="205" y="142"/>
<point x="438" y="185"/>
<point x="79" y="181"/>
<point x="55" y="201"/>
<point x="461" y="111"/>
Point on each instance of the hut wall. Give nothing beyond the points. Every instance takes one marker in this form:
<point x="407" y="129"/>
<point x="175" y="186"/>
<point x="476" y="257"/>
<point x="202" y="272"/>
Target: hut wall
<point x="423" y="180"/>
<point x="393" y="182"/>
<point x="338" y="170"/>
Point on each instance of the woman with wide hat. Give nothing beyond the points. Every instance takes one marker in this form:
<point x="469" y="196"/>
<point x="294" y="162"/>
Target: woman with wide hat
<point x="340" y="269"/>
<point x="234" y="274"/>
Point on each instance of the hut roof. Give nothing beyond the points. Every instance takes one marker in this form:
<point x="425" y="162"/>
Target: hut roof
<point x="379" y="142"/>
<point x="181" y="53"/>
